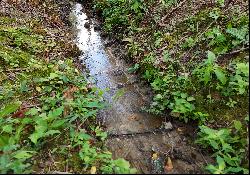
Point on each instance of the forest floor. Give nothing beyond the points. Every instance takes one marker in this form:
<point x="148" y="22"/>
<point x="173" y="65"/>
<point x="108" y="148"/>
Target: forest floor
<point x="164" y="81"/>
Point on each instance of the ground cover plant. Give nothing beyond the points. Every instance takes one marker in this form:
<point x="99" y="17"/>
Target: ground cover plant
<point x="47" y="107"/>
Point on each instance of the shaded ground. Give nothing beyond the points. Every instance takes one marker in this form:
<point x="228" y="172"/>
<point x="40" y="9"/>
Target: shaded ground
<point x="134" y="135"/>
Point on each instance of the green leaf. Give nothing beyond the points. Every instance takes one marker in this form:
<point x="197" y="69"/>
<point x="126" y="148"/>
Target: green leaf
<point x="221" y="163"/>
<point x="243" y="67"/>
<point x="221" y="2"/>
<point x="210" y="57"/>
<point x="118" y="94"/>
<point x="24" y="87"/>
<point x="235" y="170"/>
<point x="133" y="68"/>
<point x="159" y="96"/>
<point x="122" y="163"/>
<point x="58" y="123"/>
<point x="247" y="118"/>
<point x="130" y="40"/>
<point x="53" y="75"/>
<point x="84" y="136"/>
<point x="52" y="132"/>
<point x="34" y="137"/>
<point x="206" y="76"/>
<point x="214" y="144"/>
<point x="94" y="104"/>
<point x="237" y="125"/>
<point x="32" y="111"/>
<point x="211" y="168"/>
<point x="55" y="113"/>
<point x="190" y="99"/>
<point x="4" y="140"/>
<point x="23" y="154"/>
<point x="10" y="108"/>
<point x="220" y="75"/>
<point x="7" y="128"/>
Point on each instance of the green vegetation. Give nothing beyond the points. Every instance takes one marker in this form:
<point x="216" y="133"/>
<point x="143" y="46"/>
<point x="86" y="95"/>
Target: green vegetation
<point x="47" y="108"/>
<point x="196" y="61"/>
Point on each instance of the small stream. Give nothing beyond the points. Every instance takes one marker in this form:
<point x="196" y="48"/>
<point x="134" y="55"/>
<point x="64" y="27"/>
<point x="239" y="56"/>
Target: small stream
<point x="110" y="73"/>
<point x="124" y="117"/>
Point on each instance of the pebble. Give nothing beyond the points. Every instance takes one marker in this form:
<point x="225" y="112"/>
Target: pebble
<point x="87" y="25"/>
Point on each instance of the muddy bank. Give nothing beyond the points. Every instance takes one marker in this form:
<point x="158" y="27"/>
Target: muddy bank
<point x="145" y="140"/>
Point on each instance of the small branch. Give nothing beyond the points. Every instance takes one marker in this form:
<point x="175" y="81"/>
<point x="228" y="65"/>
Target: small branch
<point x="15" y="70"/>
<point x="236" y="51"/>
<point x="139" y="133"/>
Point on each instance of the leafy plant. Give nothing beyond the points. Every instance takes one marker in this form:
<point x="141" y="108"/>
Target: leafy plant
<point x="209" y="68"/>
<point x="224" y="145"/>
<point x="133" y="68"/>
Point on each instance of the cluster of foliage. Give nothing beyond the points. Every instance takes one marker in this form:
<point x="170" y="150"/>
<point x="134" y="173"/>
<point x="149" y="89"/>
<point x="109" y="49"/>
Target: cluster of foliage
<point x="196" y="63"/>
<point x="46" y="105"/>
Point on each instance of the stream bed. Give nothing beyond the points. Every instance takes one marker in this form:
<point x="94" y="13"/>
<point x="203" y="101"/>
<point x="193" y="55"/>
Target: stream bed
<point x="134" y="135"/>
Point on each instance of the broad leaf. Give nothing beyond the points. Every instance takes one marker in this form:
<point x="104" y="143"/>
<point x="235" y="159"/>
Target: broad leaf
<point x="237" y="125"/>
<point x="220" y="75"/>
<point x="23" y="154"/>
<point x="10" y="108"/>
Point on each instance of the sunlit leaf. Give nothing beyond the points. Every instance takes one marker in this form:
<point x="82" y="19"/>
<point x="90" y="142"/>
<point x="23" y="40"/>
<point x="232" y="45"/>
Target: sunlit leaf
<point x="10" y="108"/>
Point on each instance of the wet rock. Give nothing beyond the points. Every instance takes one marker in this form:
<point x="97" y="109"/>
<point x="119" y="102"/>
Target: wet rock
<point x="108" y="43"/>
<point x="157" y="165"/>
<point x="120" y="85"/>
<point x="41" y="165"/>
<point x="133" y="80"/>
<point x="103" y="34"/>
<point x="167" y="125"/>
<point x="117" y="72"/>
<point x="97" y="28"/>
<point x="87" y="25"/>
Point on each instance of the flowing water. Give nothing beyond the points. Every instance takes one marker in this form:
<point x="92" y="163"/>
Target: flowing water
<point x="132" y="128"/>
<point x="107" y="72"/>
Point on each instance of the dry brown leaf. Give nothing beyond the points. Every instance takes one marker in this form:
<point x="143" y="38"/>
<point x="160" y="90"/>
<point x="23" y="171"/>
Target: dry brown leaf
<point x="69" y="95"/>
<point x="70" y="92"/>
<point x="154" y="156"/>
<point x="179" y="129"/>
<point x="20" y="113"/>
<point x="93" y="170"/>
<point x="169" y="165"/>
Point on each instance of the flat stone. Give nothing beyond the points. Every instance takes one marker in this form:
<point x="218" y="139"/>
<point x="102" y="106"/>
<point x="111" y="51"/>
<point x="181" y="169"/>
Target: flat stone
<point x="87" y="25"/>
<point x="167" y="125"/>
<point x="97" y="28"/>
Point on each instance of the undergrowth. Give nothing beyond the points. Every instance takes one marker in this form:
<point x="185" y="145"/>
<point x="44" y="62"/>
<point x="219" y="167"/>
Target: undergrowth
<point x="47" y="109"/>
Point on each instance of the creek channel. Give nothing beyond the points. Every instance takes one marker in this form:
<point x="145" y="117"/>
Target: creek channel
<point x="134" y="135"/>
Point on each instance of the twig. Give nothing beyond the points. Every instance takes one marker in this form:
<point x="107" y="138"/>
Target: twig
<point x="39" y="95"/>
<point x="203" y="157"/>
<point x="15" y="70"/>
<point x="236" y="51"/>
<point x="31" y="106"/>
<point x="155" y="131"/>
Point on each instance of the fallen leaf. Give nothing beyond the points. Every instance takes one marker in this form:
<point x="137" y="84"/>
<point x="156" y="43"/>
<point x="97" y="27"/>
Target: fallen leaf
<point x="38" y="89"/>
<point x="133" y="117"/>
<point x="169" y="165"/>
<point x="175" y="114"/>
<point x="93" y="170"/>
<point x="69" y="95"/>
<point x="155" y="156"/>
<point x="20" y="113"/>
<point x="179" y="129"/>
